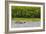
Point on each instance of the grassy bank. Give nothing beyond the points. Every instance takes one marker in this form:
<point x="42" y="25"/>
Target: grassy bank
<point x="26" y="19"/>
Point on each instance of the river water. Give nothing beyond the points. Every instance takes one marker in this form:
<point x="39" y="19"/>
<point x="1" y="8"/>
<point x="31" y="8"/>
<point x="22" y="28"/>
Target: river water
<point x="27" y="24"/>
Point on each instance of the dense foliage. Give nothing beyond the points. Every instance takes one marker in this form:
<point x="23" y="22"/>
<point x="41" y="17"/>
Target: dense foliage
<point x="25" y="12"/>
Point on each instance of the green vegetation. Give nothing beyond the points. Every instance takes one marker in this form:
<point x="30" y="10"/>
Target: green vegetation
<point x="25" y="12"/>
<point x="26" y="19"/>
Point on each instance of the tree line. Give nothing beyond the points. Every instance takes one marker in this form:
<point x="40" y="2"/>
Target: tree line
<point x="25" y="12"/>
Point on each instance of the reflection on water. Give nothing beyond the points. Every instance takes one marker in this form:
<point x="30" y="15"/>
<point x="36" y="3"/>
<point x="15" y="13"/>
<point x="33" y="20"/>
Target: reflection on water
<point x="25" y="24"/>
